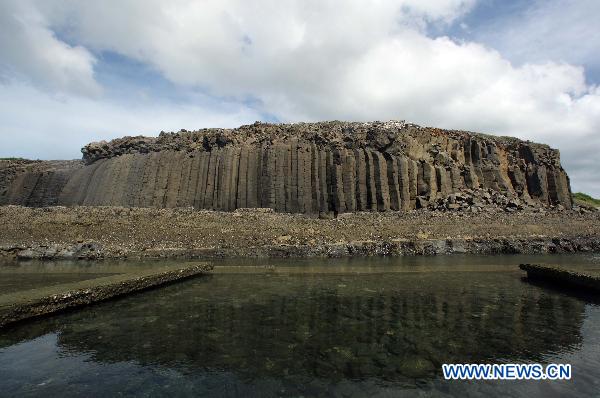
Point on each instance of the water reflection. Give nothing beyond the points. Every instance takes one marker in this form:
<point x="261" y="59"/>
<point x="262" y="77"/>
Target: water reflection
<point x="312" y="333"/>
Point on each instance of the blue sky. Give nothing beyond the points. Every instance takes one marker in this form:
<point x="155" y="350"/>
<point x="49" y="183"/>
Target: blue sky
<point x="72" y="72"/>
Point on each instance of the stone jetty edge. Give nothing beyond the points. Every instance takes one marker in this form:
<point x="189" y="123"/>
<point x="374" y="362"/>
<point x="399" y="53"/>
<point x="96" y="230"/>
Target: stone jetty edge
<point x="364" y="248"/>
<point x="562" y="276"/>
<point x="86" y="296"/>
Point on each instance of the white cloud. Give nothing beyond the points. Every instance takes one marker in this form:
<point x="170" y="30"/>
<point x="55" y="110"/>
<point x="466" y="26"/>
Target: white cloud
<point x="30" y="51"/>
<point x="559" y="30"/>
<point x="354" y="60"/>
<point x="36" y="124"/>
<point x="434" y="10"/>
<point x="235" y="47"/>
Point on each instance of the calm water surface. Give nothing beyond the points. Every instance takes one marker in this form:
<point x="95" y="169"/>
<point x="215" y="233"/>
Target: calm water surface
<point x="377" y="327"/>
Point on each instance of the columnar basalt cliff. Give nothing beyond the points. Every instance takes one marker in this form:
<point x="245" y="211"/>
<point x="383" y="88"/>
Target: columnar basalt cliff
<point x="312" y="168"/>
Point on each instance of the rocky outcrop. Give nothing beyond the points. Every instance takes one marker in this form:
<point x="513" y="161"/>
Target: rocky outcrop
<point x="312" y="168"/>
<point x="33" y="182"/>
<point x="370" y="248"/>
<point x="54" y="251"/>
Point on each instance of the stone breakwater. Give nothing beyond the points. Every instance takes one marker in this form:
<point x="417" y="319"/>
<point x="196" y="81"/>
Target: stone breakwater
<point x="20" y="306"/>
<point x="564" y="277"/>
<point x="312" y="168"/>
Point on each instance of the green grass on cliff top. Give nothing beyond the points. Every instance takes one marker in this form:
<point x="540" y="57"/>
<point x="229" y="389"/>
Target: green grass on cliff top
<point x="586" y="199"/>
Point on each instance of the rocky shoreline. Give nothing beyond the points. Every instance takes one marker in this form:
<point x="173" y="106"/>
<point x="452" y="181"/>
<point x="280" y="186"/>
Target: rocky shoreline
<point x="95" y="233"/>
<point x="425" y="247"/>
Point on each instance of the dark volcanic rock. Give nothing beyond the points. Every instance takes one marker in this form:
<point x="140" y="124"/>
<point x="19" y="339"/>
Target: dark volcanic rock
<point x="314" y="168"/>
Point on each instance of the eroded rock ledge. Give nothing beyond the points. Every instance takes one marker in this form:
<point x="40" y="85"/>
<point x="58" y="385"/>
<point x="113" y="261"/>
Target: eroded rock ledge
<point x="312" y="168"/>
<point x="370" y="248"/>
<point x="117" y="232"/>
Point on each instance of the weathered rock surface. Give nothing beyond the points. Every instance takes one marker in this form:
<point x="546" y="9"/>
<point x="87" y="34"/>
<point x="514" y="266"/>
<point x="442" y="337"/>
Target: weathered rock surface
<point x="17" y="307"/>
<point x="119" y="232"/>
<point x="313" y="168"/>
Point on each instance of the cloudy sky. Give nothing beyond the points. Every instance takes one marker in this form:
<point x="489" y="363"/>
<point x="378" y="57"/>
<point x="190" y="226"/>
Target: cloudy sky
<point x="77" y="71"/>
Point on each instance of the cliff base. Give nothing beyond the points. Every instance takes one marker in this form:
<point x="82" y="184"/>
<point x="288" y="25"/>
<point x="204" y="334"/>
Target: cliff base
<point x="119" y="232"/>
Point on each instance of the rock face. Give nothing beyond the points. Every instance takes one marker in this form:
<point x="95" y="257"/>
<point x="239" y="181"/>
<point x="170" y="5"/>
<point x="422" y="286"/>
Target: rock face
<point x="313" y="168"/>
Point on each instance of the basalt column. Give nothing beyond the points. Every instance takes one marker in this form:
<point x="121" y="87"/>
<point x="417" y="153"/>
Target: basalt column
<point x="309" y="168"/>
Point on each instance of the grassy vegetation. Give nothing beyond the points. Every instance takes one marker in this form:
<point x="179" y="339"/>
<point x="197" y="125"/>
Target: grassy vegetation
<point x="586" y="199"/>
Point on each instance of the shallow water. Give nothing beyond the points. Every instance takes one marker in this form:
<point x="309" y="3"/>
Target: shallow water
<point x="378" y="327"/>
<point x="19" y="276"/>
